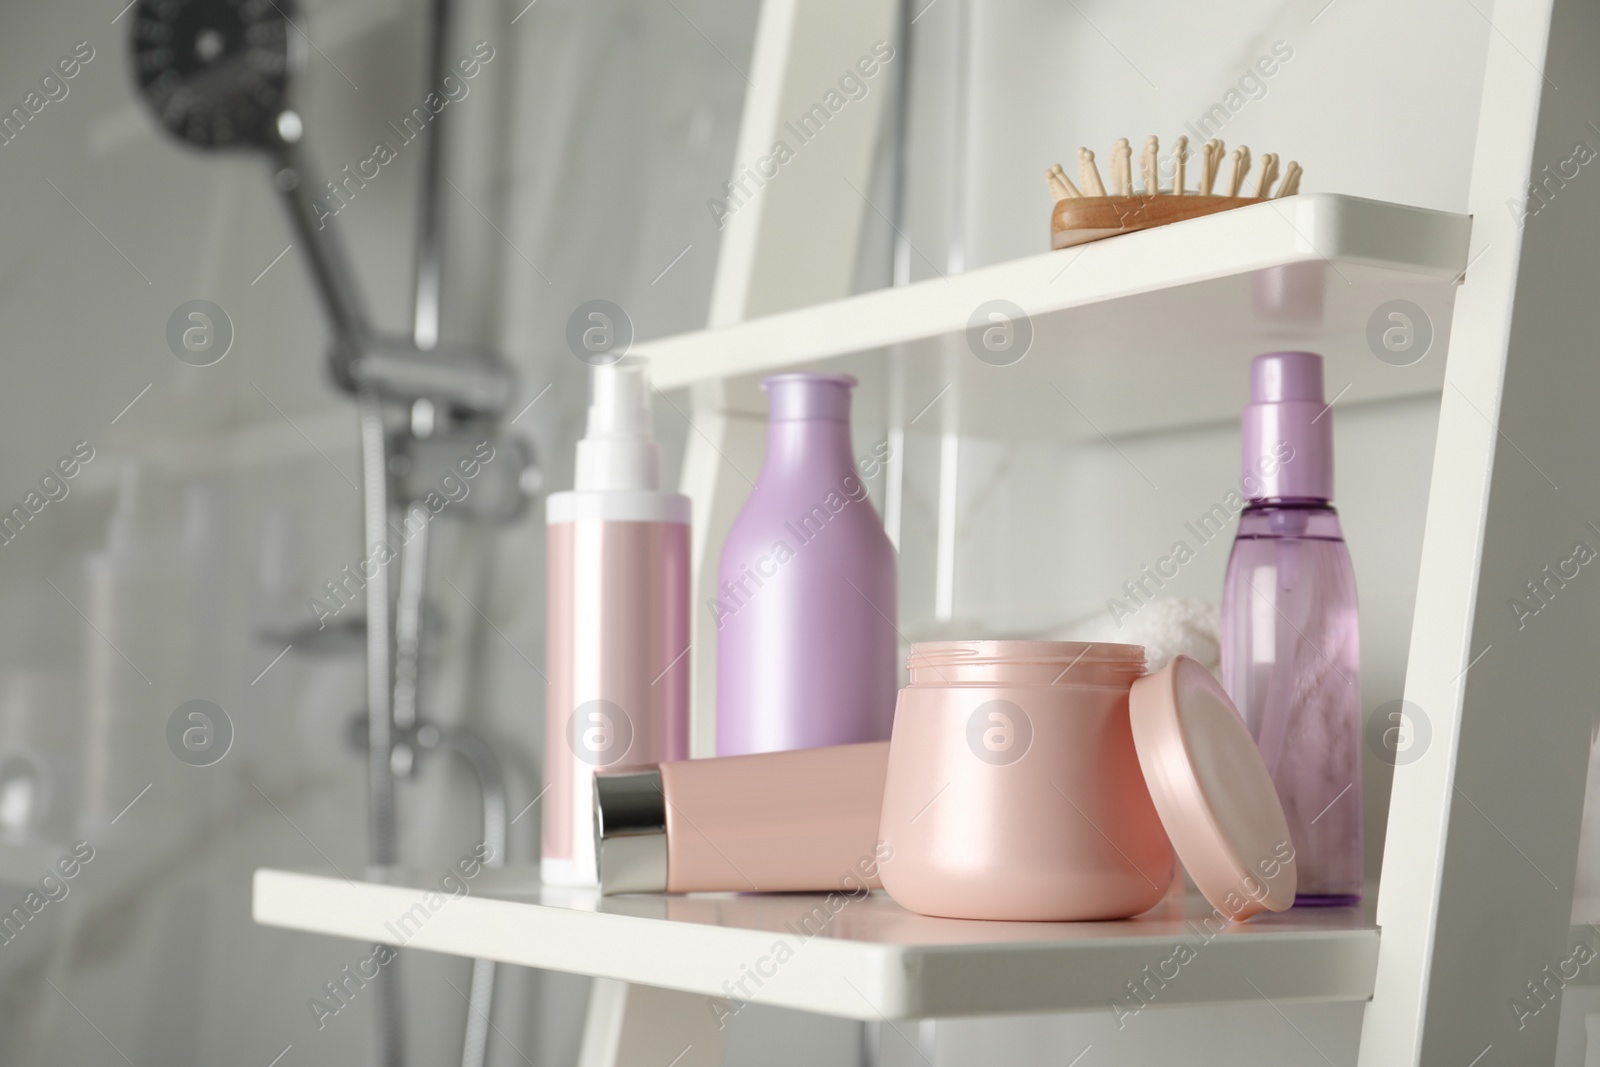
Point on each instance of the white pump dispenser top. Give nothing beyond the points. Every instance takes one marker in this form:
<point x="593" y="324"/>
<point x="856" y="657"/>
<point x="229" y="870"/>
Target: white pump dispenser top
<point x="617" y="451"/>
<point x="619" y="464"/>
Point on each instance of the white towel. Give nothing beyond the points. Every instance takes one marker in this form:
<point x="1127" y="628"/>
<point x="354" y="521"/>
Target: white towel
<point x="1166" y="627"/>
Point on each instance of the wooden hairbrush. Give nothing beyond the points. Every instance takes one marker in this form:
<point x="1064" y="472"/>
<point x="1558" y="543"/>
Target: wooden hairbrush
<point x="1092" y="213"/>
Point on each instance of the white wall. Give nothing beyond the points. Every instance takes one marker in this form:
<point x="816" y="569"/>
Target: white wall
<point x="192" y="539"/>
<point x="221" y="500"/>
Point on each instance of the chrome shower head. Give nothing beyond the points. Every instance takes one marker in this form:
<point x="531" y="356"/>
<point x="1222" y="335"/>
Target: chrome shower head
<point x="216" y="72"/>
<point x="216" y="75"/>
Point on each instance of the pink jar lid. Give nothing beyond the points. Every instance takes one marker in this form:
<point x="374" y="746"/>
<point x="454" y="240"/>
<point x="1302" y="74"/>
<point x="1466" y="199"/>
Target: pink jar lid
<point x="1212" y="790"/>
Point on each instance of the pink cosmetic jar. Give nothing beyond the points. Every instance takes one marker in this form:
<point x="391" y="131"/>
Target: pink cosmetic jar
<point x="1044" y="780"/>
<point x="1014" y="790"/>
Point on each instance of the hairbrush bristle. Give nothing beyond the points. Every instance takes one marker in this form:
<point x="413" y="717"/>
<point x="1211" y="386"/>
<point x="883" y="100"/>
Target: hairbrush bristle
<point x="1291" y="180"/>
<point x="1240" y="158"/>
<point x="1213" y="150"/>
<point x="1060" y="177"/>
<point x="1088" y="174"/>
<point x="1269" y="174"/>
<point x="1122" y="167"/>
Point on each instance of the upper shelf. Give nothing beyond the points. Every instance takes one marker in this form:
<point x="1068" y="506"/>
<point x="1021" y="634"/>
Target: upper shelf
<point x="1148" y="331"/>
<point x="868" y="958"/>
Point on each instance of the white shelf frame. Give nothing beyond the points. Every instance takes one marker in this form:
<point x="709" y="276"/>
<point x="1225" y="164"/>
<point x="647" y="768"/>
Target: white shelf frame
<point x="1389" y="243"/>
<point x="1476" y="891"/>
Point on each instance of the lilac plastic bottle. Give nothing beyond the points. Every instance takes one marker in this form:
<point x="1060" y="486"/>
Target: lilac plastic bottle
<point x="1290" y="641"/>
<point x="805" y="616"/>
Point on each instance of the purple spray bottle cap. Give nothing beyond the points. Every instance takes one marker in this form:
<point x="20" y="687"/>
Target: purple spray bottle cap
<point x="1287" y="430"/>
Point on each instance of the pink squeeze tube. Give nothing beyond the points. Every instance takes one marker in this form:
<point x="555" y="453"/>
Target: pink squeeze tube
<point x="771" y="822"/>
<point x="618" y="624"/>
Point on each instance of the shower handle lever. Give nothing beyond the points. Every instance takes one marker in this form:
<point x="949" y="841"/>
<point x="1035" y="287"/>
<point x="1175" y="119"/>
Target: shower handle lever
<point x="335" y="282"/>
<point x="471" y="379"/>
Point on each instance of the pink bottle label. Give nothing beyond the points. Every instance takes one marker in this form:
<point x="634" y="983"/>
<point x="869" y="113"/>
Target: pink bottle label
<point x="618" y="678"/>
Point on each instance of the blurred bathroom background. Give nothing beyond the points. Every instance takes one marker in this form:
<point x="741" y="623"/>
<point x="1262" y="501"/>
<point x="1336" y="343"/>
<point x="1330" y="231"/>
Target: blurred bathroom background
<point x="220" y="499"/>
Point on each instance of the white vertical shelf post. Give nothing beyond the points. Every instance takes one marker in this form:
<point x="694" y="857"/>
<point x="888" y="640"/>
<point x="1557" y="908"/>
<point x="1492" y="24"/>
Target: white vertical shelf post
<point x="1478" y="867"/>
<point x="645" y="1026"/>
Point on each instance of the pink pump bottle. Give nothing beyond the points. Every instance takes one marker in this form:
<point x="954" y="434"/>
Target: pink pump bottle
<point x="1290" y="640"/>
<point x="618" y="622"/>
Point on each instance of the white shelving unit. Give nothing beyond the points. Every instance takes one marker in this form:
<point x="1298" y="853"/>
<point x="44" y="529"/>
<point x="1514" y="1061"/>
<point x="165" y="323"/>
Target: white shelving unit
<point x="1341" y="257"/>
<point x="1141" y="333"/>
<point x="1196" y="295"/>
<point x="869" y="959"/>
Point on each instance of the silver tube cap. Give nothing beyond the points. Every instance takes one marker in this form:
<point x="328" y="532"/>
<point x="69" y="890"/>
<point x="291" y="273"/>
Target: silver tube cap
<point x="630" y="831"/>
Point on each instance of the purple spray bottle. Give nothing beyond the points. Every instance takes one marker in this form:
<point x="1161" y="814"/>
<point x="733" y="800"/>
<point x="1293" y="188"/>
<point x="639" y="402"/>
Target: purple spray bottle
<point x="805" y="613"/>
<point x="1290" y="641"/>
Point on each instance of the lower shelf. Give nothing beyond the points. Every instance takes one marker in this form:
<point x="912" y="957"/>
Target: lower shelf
<point x="865" y="958"/>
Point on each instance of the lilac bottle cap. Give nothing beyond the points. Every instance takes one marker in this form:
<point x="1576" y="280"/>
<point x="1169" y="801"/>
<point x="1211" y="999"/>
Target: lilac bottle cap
<point x="808" y="395"/>
<point x="1287" y="430"/>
